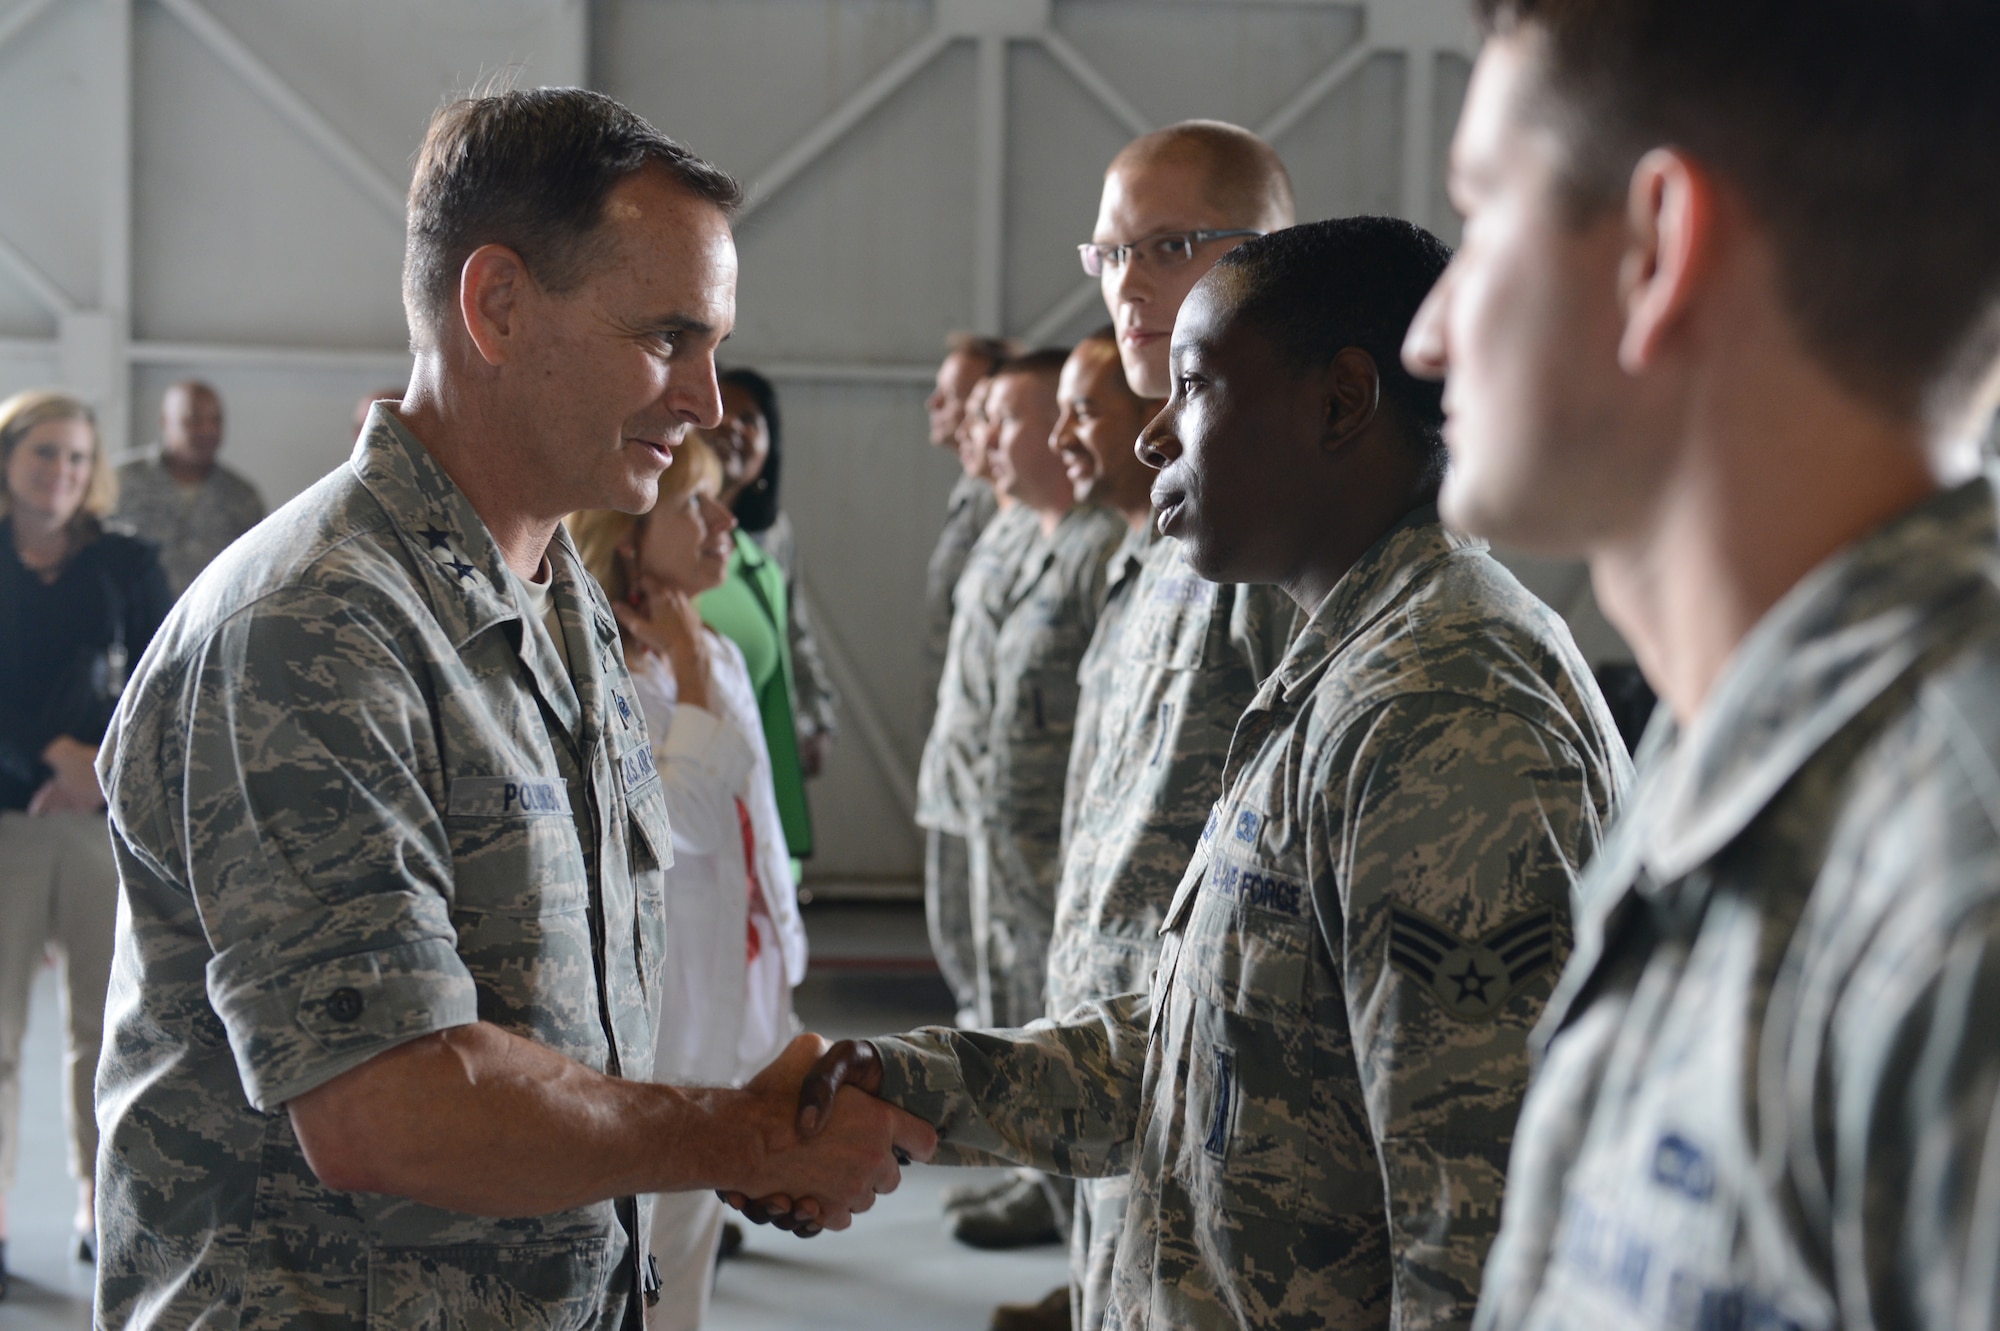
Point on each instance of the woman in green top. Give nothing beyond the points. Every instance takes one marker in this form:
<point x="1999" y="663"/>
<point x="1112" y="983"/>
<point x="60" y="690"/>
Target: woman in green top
<point x="752" y="606"/>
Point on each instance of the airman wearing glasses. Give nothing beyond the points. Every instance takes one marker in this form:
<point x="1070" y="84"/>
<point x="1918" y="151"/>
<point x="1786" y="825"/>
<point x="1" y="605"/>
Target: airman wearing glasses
<point x="1176" y="658"/>
<point x="1174" y="202"/>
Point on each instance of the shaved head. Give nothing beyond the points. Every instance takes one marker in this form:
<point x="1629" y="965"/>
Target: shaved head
<point x="190" y="428"/>
<point x="1242" y="176"/>
<point x="1199" y="175"/>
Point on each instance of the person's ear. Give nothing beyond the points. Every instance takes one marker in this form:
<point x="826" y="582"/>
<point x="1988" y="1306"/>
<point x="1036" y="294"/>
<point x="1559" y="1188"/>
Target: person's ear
<point x="1352" y="395"/>
<point x="1672" y="212"/>
<point x="493" y="284"/>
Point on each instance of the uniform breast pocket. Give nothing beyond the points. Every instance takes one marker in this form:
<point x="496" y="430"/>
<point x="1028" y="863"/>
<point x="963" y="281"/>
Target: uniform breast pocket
<point x="652" y="836"/>
<point x="1171" y="631"/>
<point x="1243" y="973"/>
<point x="558" y="1286"/>
<point x="649" y="854"/>
<point x="514" y="847"/>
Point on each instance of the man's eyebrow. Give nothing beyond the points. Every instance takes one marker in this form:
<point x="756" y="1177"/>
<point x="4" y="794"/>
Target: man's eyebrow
<point x="678" y="323"/>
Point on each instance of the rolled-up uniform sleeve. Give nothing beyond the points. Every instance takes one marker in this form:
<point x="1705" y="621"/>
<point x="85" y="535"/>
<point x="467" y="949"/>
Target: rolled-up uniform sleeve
<point x="316" y="846"/>
<point x="1060" y="1098"/>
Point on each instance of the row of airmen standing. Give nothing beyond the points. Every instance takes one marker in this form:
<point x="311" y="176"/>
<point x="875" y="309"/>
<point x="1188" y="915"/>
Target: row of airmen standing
<point x="1092" y="681"/>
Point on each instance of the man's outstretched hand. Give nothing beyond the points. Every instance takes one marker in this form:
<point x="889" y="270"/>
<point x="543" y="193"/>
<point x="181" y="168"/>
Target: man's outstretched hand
<point x="839" y="1132"/>
<point x="851" y="1064"/>
<point x="847" y="1063"/>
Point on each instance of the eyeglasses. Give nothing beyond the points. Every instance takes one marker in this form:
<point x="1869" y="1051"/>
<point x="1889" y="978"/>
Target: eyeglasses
<point x="1169" y="249"/>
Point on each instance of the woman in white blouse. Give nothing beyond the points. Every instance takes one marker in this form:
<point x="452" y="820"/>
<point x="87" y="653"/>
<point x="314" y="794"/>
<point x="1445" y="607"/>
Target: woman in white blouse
<point x="736" y="943"/>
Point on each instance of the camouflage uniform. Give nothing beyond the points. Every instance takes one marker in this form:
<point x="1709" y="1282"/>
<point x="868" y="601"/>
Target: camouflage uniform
<point x="947" y="784"/>
<point x="967" y="512"/>
<point x="1764" y="1093"/>
<point x="1175" y="662"/>
<point x="1016" y="837"/>
<point x="356" y="799"/>
<point x="1099" y="664"/>
<point x="191" y="525"/>
<point x="1367" y="930"/>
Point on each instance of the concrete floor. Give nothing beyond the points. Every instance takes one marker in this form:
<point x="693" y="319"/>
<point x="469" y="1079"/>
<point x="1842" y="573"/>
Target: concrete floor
<point x="894" y="1269"/>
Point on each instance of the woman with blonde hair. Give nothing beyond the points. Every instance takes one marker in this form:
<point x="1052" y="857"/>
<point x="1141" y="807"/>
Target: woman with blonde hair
<point x="736" y="943"/>
<point x="78" y="605"/>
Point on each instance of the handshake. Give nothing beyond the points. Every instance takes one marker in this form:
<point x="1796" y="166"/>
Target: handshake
<point x="838" y="1147"/>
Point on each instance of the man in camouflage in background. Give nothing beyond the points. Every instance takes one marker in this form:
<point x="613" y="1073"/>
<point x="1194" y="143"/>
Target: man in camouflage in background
<point x="961" y="378"/>
<point x="1164" y="693"/>
<point x="947" y="774"/>
<point x="1014" y="833"/>
<point x="1051" y="612"/>
<point x="1315" y="1098"/>
<point x="390" y="840"/>
<point x="1729" y="328"/>
<point x="179" y="495"/>
<point x="971" y="504"/>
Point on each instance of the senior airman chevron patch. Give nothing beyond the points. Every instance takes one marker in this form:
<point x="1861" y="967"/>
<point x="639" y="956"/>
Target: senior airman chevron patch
<point x="1471" y="980"/>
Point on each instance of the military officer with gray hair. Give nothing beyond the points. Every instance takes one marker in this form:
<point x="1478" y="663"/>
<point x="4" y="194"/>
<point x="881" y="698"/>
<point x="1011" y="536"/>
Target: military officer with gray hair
<point x="1316" y="1096"/>
<point x="389" y="834"/>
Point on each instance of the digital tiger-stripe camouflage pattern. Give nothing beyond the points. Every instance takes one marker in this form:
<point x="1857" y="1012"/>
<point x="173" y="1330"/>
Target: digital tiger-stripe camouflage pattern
<point x="356" y="798"/>
<point x="1313" y="1139"/>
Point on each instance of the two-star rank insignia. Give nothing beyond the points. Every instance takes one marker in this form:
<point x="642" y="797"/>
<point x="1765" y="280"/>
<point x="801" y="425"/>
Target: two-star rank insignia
<point x="444" y="555"/>
<point x="1472" y="979"/>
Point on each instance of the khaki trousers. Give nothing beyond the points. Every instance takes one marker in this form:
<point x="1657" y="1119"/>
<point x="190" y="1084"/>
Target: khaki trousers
<point x="58" y="892"/>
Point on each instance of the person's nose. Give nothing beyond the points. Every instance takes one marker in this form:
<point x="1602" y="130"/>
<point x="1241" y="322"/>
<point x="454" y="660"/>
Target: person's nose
<point x="720" y="519"/>
<point x="1425" y="351"/>
<point x="1157" y="446"/>
<point x="693" y="394"/>
<point x="1065" y="431"/>
<point x="1128" y="284"/>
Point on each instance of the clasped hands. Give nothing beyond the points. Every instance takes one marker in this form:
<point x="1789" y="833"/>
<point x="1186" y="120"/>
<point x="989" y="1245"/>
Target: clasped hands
<point x="73" y="786"/>
<point x="835" y="1103"/>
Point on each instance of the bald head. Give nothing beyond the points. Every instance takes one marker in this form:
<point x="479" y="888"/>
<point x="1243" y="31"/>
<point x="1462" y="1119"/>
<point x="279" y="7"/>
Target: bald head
<point x="1240" y="175"/>
<point x="1199" y="175"/>
<point x="190" y="428"/>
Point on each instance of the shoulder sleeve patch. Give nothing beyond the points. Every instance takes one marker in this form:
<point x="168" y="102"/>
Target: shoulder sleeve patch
<point x="1472" y="979"/>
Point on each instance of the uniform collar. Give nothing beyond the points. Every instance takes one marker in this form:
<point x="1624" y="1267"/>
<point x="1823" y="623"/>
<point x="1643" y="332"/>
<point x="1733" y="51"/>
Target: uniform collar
<point x="1046" y="545"/>
<point x="1133" y="551"/>
<point x="1837" y="641"/>
<point x="965" y="490"/>
<point x="1378" y="582"/>
<point x="462" y="567"/>
<point x="470" y="586"/>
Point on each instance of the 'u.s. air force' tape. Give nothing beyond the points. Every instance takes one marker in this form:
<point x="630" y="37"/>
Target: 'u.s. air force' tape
<point x="508" y="797"/>
<point x="637" y="766"/>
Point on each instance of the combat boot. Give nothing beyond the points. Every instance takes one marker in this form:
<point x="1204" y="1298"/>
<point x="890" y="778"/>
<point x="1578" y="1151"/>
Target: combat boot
<point x="1021" y="1217"/>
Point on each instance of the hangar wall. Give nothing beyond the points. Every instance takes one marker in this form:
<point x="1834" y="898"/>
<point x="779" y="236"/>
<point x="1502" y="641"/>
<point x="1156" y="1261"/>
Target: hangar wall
<point x="214" y="187"/>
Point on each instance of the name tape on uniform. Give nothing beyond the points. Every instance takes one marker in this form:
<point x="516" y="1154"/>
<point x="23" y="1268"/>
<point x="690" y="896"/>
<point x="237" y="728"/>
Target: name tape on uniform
<point x="508" y="797"/>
